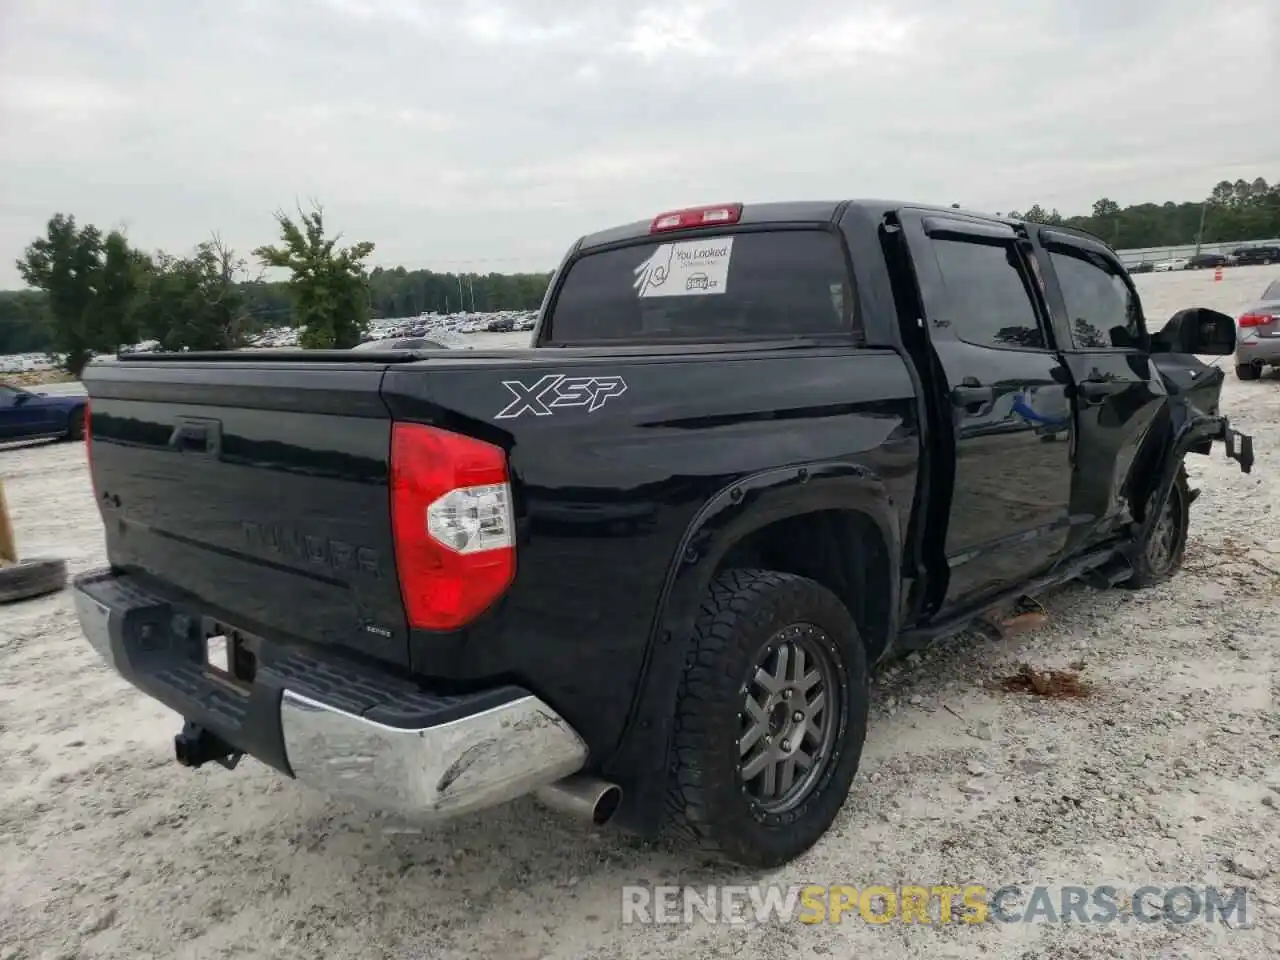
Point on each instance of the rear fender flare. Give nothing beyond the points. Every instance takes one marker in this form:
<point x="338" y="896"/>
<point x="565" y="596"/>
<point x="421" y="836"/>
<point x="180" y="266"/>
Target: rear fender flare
<point x="753" y="503"/>
<point x="736" y="511"/>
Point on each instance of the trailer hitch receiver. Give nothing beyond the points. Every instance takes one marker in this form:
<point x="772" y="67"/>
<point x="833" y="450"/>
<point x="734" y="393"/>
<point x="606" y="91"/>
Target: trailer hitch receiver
<point x="196" y="746"/>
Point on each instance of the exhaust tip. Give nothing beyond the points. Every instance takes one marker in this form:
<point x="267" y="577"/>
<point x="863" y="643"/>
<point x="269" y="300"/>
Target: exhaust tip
<point x="607" y="805"/>
<point x="583" y="798"/>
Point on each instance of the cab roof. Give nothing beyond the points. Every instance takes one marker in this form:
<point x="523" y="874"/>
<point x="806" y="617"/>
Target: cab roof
<point x="818" y="211"/>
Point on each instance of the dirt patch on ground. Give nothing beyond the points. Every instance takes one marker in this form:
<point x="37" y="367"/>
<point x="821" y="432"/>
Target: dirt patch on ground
<point x="1054" y="684"/>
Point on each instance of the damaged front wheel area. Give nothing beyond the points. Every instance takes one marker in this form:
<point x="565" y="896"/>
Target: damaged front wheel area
<point x="1160" y="556"/>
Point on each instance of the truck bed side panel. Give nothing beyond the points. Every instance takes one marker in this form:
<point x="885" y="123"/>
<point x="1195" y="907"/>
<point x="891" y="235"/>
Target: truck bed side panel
<point x="603" y="497"/>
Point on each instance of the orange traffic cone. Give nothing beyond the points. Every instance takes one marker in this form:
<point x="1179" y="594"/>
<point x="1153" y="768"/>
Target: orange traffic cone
<point x="1217" y="274"/>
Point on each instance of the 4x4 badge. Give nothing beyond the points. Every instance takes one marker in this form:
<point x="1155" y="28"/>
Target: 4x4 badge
<point x="555" y="392"/>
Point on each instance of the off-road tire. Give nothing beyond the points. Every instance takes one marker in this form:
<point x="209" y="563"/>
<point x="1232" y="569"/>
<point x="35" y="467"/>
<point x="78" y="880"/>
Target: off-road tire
<point x="1145" y="573"/>
<point x="707" y="804"/>
<point x="31" y="578"/>
<point x="1248" y="371"/>
<point x="75" y="425"/>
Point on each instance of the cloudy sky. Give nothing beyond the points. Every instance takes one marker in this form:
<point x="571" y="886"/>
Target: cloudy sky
<point x="486" y="134"/>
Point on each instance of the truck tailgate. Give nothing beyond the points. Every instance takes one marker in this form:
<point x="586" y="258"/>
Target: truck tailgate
<point x="255" y="488"/>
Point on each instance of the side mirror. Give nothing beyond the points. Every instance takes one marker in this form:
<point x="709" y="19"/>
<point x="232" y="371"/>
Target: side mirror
<point x="1197" y="330"/>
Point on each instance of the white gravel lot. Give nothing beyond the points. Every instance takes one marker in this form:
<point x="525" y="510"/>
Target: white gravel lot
<point x="1169" y="774"/>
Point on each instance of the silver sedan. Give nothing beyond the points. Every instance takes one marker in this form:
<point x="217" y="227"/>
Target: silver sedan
<point x="1258" y="340"/>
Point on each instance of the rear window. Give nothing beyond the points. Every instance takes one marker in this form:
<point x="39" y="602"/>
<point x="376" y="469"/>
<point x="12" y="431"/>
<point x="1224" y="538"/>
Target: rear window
<point x="741" y="286"/>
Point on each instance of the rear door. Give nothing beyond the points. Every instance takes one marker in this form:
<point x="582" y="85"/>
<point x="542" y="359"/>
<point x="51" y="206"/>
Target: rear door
<point x="1098" y="314"/>
<point x="1009" y="391"/>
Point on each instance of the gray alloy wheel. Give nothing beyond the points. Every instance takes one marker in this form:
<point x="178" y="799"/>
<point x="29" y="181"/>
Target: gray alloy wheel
<point x="790" y="713"/>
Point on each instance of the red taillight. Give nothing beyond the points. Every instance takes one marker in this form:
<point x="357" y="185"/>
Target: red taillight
<point x="1255" y="319"/>
<point x="697" y="217"/>
<point x="452" y="521"/>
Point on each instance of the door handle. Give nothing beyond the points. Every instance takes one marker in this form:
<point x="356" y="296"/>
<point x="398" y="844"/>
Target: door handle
<point x="1094" y="390"/>
<point x="969" y="395"/>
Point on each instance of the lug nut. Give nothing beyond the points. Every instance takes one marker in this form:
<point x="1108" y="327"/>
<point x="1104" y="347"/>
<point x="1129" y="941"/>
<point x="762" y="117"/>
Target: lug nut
<point x="797" y="716"/>
<point x="786" y="744"/>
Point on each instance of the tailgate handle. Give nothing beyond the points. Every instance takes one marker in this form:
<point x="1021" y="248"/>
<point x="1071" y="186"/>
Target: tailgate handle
<point x="198" y="436"/>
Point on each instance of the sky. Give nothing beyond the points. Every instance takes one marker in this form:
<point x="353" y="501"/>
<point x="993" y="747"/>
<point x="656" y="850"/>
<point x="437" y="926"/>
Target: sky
<point x="485" y="136"/>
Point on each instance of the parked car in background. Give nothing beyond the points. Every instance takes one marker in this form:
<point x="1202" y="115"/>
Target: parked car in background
<point x="401" y="343"/>
<point x="25" y="415"/>
<point x="1176" y="263"/>
<point x="1255" y="255"/>
<point x="1146" y="266"/>
<point x="1208" y="261"/>
<point x="1258" y="341"/>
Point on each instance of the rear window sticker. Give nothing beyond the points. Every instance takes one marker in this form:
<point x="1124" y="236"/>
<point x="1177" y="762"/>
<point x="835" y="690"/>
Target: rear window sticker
<point x="688" y="268"/>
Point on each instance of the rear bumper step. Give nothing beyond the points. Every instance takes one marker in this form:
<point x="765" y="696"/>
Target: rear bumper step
<point x="344" y="729"/>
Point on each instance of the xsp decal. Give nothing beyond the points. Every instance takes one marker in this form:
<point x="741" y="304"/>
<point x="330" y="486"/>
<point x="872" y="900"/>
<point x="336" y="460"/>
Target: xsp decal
<point x="555" y="391"/>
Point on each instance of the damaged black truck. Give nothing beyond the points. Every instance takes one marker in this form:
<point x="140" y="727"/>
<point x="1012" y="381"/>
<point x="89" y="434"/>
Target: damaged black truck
<point x="642" y="569"/>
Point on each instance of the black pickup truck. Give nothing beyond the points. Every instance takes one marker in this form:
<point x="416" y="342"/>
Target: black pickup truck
<point x="643" y="569"/>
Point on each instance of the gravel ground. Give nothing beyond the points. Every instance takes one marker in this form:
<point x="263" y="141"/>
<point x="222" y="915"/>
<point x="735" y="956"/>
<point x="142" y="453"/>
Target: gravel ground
<point x="1166" y="774"/>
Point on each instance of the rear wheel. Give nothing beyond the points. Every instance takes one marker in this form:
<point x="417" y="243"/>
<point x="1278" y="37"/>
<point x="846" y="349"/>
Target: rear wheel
<point x="1161" y="556"/>
<point x="1248" y="371"/>
<point x="75" y="425"/>
<point x="770" y="718"/>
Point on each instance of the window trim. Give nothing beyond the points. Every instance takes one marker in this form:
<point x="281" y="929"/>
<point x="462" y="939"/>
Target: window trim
<point x="855" y="328"/>
<point x="1030" y="286"/>
<point x="1056" y="242"/>
<point x="954" y="227"/>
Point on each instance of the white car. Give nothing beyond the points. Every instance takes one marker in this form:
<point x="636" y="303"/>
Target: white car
<point x="1177" y="263"/>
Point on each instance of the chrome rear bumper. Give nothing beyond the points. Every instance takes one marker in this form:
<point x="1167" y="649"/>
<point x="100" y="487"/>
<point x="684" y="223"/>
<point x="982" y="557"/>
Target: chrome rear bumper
<point x="468" y="764"/>
<point x="510" y="745"/>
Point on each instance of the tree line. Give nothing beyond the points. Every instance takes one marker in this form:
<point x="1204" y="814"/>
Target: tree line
<point x="92" y="291"/>
<point x="1232" y="213"/>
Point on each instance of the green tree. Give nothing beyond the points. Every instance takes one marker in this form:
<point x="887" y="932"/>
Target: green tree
<point x="1105" y="208"/>
<point x="24" y="322"/>
<point x="1037" y="214"/>
<point x="196" y="302"/>
<point x="329" y="286"/>
<point x="1241" y="211"/>
<point x="90" y="281"/>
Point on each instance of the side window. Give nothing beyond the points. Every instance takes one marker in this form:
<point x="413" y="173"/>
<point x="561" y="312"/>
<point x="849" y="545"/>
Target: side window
<point x="1104" y="313"/>
<point x="988" y="302"/>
